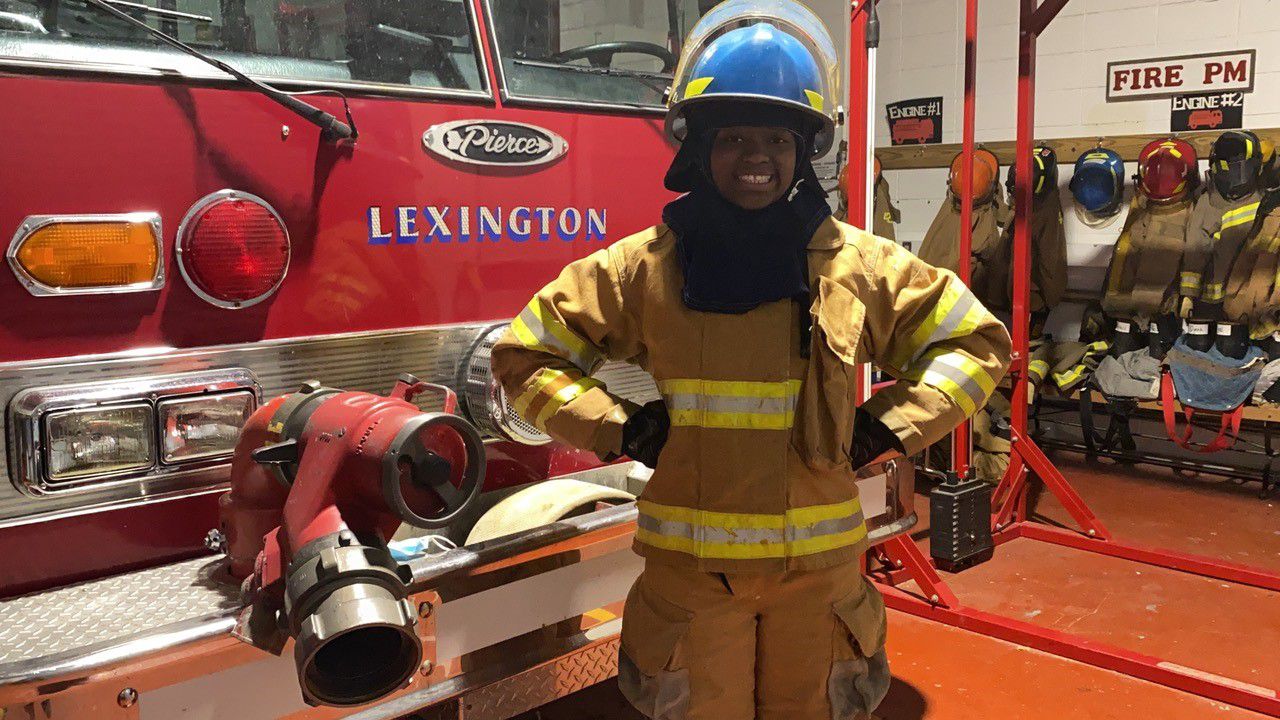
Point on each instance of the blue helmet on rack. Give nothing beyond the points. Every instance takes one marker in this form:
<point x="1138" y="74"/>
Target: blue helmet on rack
<point x="1098" y="182"/>
<point x="777" y="53"/>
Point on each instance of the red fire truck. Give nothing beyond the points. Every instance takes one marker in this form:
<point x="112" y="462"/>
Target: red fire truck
<point x="190" y="242"/>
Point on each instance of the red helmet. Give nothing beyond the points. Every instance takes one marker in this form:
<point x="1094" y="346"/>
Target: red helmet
<point x="1167" y="170"/>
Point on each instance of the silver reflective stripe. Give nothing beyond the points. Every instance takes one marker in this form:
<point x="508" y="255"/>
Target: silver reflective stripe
<point x="749" y="536"/>
<point x="731" y="404"/>
<point x="585" y="360"/>
<point x="949" y="323"/>
<point x="959" y="377"/>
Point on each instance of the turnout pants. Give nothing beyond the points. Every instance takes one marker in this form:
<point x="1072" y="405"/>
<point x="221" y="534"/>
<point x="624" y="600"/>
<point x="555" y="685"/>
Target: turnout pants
<point x="801" y="645"/>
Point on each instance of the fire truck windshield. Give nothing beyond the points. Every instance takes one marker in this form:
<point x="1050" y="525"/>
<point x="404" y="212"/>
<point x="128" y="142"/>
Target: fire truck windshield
<point x="414" y="43"/>
<point x="618" y="52"/>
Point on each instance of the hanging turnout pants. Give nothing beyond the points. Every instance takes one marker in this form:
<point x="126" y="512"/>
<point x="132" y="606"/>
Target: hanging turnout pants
<point x="805" y="645"/>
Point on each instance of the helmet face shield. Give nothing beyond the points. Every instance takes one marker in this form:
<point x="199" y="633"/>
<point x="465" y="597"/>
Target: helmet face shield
<point x="776" y="52"/>
<point x="1098" y="182"/>
<point x="1235" y="165"/>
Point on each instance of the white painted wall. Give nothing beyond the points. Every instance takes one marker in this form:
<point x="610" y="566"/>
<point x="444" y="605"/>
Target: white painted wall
<point x="921" y="55"/>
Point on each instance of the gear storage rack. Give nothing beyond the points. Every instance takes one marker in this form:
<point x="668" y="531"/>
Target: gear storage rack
<point x="900" y="559"/>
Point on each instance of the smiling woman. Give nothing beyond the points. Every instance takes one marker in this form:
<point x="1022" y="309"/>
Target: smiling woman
<point x="753" y="166"/>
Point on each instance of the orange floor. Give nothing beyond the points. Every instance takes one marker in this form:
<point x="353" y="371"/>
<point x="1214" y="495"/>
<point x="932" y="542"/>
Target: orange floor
<point x="943" y="673"/>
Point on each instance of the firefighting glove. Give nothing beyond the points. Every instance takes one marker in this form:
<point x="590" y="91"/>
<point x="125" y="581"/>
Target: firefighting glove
<point x="871" y="439"/>
<point x="645" y="432"/>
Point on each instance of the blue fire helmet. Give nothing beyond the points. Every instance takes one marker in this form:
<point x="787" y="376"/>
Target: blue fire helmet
<point x="1098" y="181"/>
<point x="774" y="52"/>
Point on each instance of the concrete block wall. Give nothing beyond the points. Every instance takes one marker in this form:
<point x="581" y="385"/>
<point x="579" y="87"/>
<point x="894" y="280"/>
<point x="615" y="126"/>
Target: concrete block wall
<point x="921" y="55"/>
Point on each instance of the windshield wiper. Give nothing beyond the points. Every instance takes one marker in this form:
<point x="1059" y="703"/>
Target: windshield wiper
<point x="162" y="12"/>
<point x="331" y="128"/>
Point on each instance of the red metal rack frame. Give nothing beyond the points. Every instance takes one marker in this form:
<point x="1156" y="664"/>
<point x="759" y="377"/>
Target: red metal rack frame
<point x="901" y="560"/>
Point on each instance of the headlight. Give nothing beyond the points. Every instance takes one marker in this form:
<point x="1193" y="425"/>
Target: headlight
<point x="131" y="432"/>
<point x="99" y="441"/>
<point x="202" y="427"/>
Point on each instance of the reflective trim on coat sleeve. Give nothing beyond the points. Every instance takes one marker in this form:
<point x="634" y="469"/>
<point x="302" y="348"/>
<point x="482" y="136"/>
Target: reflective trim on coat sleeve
<point x="538" y="329"/>
<point x="961" y="378"/>
<point x="1190" y="282"/>
<point x="957" y="313"/>
<point x="549" y="392"/>
<point x="1240" y="216"/>
<point x="1038" y="368"/>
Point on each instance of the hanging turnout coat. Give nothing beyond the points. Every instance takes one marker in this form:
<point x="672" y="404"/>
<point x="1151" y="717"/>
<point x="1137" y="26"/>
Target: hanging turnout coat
<point x="1253" y="291"/>
<point x="1216" y="232"/>
<point x="755" y="475"/>
<point x="1048" y="258"/>
<point x="886" y="214"/>
<point x="941" y="244"/>
<point x="1142" y="279"/>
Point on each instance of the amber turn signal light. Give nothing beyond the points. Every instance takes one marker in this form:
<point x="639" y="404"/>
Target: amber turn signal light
<point x="79" y="254"/>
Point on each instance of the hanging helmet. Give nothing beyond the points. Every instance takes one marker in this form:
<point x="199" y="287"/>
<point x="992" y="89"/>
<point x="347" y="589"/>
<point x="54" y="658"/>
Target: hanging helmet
<point x="1098" y="181"/>
<point x="1167" y="170"/>
<point x="770" y="51"/>
<point x="1235" y="163"/>
<point x="986" y="173"/>
<point x="1044" y="172"/>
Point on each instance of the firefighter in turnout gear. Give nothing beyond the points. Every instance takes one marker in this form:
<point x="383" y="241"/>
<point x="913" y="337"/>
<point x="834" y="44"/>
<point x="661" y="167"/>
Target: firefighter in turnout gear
<point x="752" y="306"/>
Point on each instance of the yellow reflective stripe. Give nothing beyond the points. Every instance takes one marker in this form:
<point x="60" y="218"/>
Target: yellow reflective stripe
<point x="823" y="543"/>
<point x="693" y="516"/>
<point x="815" y="99"/>
<point x="697" y="86"/>
<point x="731" y="404"/>
<point x="732" y="388"/>
<point x="919" y="339"/>
<point x="1190" y="281"/>
<point x="801" y="516"/>
<point x="753" y="544"/>
<point x="578" y="346"/>
<point x="1099" y="346"/>
<point x="1240" y="216"/>
<point x="813" y="514"/>
<point x="961" y="378"/>
<point x="546" y="376"/>
<point x="1040" y="368"/>
<point x="942" y="323"/>
<point x="732" y="420"/>
<point x="1212" y="291"/>
<point x="563" y="396"/>
<point x="752" y="551"/>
